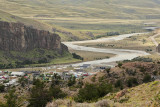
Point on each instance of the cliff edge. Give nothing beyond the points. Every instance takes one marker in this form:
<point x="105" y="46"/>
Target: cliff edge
<point x="26" y="44"/>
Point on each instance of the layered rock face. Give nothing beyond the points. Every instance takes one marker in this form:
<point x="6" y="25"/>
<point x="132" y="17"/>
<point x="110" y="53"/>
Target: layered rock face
<point x="18" y="37"/>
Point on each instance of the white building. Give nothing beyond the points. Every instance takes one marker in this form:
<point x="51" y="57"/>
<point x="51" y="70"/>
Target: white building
<point x="17" y="73"/>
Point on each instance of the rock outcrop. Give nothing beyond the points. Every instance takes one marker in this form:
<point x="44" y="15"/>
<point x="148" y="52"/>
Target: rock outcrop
<point x="18" y="37"/>
<point x="158" y="48"/>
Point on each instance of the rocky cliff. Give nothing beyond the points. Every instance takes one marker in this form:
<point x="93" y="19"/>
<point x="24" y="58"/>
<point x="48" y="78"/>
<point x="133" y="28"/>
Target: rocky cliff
<point x="158" y="48"/>
<point x="18" y="37"/>
<point x="21" y="45"/>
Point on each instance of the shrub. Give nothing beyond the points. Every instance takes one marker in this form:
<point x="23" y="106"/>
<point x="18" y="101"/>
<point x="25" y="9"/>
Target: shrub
<point x="43" y="60"/>
<point x="120" y="64"/>
<point x="2" y="88"/>
<point x="56" y="92"/>
<point x="108" y="70"/>
<point x="72" y="81"/>
<point x="39" y="95"/>
<point x="142" y="59"/>
<point x="91" y="92"/>
<point x="76" y="56"/>
<point x="147" y="78"/>
<point x="12" y="100"/>
<point x="131" y="82"/>
<point x="118" y="84"/>
<point x="93" y="79"/>
<point x="142" y="69"/>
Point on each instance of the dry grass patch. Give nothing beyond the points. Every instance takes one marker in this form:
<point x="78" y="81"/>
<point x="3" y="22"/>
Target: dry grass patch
<point x="89" y="56"/>
<point x="140" y="42"/>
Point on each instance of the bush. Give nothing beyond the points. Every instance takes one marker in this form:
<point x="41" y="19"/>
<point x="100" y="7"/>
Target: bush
<point x="39" y="95"/>
<point x="12" y="100"/>
<point x="43" y="60"/>
<point x="76" y="56"/>
<point x="147" y="78"/>
<point x="131" y="82"/>
<point x="2" y="88"/>
<point x="118" y="84"/>
<point x="72" y="81"/>
<point x="120" y="64"/>
<point x="56" y="92"/>
<point x="91" y="92"/>
<point x="142" y="69"/>
<point x="142" y="59"/>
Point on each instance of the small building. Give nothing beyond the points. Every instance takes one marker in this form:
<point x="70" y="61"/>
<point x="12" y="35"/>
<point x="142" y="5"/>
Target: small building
<point x="1" y="73"/>
<point x="78" y="69"/>
<point x="66" y="75"/>
<point x="17" y="74"/>
<point x="26" y="72"/>
<point x="84" y="66"/>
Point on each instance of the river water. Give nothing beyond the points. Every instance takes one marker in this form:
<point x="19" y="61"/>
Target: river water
<point x="120" y="54"/>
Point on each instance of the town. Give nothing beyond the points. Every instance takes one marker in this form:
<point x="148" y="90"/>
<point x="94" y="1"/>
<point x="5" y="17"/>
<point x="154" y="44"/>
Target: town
<point x="11" y="78"/>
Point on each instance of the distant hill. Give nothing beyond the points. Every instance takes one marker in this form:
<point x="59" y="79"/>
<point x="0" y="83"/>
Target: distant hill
<point x="65" y="34"/>
<point x="86" y="16"/>
<point x="112" y="9"/>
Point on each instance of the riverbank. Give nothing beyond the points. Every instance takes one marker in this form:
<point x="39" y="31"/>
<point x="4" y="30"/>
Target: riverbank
<point x="120" y="54"/>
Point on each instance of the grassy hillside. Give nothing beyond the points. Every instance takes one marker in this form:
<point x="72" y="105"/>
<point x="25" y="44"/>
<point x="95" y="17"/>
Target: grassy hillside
<point x="145" y="95"/>
<point x="114" y="9"/>
<point x="96" y="16"/>
<point x="65" y="34"/>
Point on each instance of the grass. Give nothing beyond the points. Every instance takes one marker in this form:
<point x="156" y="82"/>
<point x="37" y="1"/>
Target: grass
<point x="65" y="34"/>
<point x="35" y="55"/>
<point x="140" y="96"/>
<point x="87" y="9"/>
<point x="140" y="42"/>
<point x="79" y="17"/>
<point x="89" y="56"/>
<point x="57" y="61"/>
<point x="154" y="56"/>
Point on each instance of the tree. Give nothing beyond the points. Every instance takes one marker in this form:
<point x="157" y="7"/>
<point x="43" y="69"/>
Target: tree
<point x="108" y="70"/>
<point x="72" y="81"/>
<point x="91" y="92"/>
<point x="39" y="95"/>
<point x="2" y="87"/>
<point x="120" y="64"/>
<point x="55" y="80"/>
<point x="88" y="93"/>
<point x="12" y="100"/>
<point x="23" y="81"/>
<point x="76" y="56"/>
<point x="104" y="89"/>
<point x="54" y="89"/>
<point x="56" y="92"/>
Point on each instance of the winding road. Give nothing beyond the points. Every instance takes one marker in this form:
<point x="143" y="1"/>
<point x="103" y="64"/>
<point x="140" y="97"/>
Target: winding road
<point x="120" y="54"/>
<point x="153" y="39"/>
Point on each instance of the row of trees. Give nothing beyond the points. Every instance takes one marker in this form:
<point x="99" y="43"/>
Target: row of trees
<point x="108" y="34"/>
<point x="77" y="56"/>
<point x="132" y="81"/>
<point x="21" y="64"/>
